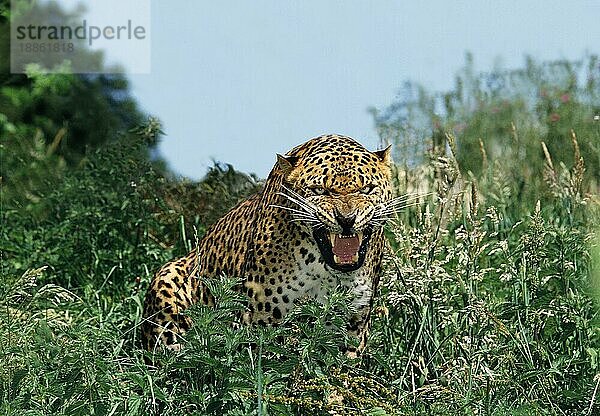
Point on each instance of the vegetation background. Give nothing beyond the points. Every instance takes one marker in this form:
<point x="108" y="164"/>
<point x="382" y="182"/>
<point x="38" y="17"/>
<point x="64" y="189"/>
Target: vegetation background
<point x="489" y="304"/>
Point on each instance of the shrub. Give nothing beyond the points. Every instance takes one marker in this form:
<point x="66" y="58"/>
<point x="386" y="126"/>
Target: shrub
<point x="486" y="305"/>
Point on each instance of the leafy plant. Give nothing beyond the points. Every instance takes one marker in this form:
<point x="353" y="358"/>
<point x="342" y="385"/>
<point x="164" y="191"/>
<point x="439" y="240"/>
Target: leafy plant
<point x="488" y="303"/>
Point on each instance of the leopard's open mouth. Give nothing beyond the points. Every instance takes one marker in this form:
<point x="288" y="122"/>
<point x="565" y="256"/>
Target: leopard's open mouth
<point x="343" y="252"/>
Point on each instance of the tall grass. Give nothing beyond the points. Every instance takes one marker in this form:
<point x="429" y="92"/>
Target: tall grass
<point x="487" y="306"/>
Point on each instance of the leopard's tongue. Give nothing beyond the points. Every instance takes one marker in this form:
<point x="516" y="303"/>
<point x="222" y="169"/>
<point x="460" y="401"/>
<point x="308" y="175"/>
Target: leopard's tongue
<point x="345" y="249"/>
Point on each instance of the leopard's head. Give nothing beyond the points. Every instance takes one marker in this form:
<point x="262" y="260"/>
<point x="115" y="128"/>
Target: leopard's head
<point x="340" y="193"/>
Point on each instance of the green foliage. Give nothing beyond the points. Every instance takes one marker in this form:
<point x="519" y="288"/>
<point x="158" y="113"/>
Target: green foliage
<point x="485" y="309"/>
<point x="205" y="201"/>
<point x="487" y="305"/>
<point x="50" y="122"/>
<point x="225" y="366"/>
<point x="502" y="115"/>
<point x="102" y="215"/>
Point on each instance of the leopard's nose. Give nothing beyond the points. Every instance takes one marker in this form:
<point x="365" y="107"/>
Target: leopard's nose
<point x="346" y="222"/>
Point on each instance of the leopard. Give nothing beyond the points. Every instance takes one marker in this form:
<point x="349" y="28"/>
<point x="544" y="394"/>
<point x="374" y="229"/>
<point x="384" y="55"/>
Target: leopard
<point x="316" y="226"/>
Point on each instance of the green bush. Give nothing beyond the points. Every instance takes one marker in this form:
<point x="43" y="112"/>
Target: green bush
<point x="487" y="305"/>
<point x="483" y="309"/>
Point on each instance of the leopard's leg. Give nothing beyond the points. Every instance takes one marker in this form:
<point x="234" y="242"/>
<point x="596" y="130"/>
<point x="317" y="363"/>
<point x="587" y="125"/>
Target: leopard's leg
<point x="173" y="289"/>
<point x="360" y="321"/>
<point x="358" y="328"/>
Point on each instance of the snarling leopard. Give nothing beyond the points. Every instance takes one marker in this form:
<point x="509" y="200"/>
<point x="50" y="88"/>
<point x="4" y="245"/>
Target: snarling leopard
<point x="316" y="225"/>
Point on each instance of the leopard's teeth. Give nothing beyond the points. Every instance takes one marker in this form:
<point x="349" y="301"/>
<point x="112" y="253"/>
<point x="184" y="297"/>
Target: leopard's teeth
<point x="336" y="258"/>
<point x="332" y="238"/>
<point x="346" y="236"/>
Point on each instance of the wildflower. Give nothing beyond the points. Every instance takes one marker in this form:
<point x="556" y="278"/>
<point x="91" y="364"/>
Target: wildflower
<point x="554" y="117"/>
<point x="565" y="98"/>
<point x="597" y="118"/>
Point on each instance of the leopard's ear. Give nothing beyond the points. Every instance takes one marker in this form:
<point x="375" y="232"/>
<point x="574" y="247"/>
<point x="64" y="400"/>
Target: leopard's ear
<point x="384" y="155"/>
<point x="286" y="164"/>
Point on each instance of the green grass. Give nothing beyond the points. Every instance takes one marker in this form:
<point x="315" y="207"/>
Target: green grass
<point x="488" y="304"/>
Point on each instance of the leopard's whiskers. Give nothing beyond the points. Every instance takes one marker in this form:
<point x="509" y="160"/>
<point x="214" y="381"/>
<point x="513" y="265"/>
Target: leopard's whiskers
<point x="305" y="211"/>
<point x="387" y="211"/>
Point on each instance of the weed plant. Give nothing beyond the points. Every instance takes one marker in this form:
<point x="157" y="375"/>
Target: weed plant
<point x="487" y="305"/>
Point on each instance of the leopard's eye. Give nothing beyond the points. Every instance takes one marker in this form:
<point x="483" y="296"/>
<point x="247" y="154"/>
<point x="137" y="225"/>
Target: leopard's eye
<point x="319" y="190"/>
<point x="367" y="189"/>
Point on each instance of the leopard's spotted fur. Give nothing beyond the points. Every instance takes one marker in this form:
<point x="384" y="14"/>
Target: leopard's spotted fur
<point x="278" y="241"/>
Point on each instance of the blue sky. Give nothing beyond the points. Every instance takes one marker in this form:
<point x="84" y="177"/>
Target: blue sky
<point x="238" y="81"/>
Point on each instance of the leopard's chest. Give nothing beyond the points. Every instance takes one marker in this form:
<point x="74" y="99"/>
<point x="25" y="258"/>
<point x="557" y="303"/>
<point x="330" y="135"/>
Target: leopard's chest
<point x="297" y="275"/>
<point x="313" y="278"/>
